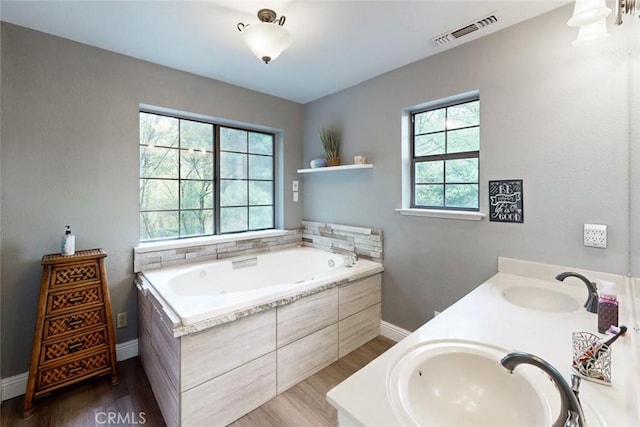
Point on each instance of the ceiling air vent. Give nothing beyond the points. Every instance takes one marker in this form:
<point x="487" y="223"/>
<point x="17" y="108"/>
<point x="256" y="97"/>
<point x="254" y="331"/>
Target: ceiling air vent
<point x="450" y="36"/>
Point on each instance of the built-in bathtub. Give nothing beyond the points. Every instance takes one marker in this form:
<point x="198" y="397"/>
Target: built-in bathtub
<point x="207" y="290"/>
<point x="217" y="339"/>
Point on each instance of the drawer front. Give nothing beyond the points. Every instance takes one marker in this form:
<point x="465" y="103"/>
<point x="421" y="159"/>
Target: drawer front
<point x="74" y="299"/>
<point x="55" y="327"/>
<point x="74" y="370"/>
<point x="76" y="274"/>
<point x="57" y="349"/>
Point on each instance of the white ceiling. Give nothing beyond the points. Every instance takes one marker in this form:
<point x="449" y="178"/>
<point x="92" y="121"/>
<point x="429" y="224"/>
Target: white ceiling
<point x="336" y="44"/>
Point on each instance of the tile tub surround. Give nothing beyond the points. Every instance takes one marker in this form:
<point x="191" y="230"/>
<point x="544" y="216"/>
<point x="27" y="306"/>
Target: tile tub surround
<point x="366" y="242"/>
<point x="484" y="316"/>
<point x="225" y="371"/>
<point x="156" y="255"/>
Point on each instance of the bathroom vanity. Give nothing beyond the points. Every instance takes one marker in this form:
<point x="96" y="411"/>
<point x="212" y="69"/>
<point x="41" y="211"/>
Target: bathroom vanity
<point x="521" y="308"/>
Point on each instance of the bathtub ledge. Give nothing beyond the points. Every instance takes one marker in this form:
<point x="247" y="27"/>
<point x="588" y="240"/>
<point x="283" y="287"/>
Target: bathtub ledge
<point x="208" y="240"/>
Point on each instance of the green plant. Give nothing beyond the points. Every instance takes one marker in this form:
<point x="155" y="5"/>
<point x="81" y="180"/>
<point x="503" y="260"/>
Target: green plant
<point x="330" y="138"/>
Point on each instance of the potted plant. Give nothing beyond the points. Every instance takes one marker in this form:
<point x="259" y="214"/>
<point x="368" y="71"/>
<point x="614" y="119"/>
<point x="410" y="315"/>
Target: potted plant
<point x="330" y="138"/>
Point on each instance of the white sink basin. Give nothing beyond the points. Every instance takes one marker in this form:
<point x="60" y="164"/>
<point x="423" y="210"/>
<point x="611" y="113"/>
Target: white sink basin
<point x="541" y="299"/>
<point x="461" y="383"/>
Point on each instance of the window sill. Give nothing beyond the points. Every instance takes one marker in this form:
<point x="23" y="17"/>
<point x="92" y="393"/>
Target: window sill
<point x="205" y="240"/>
<point x="435" y="213"/>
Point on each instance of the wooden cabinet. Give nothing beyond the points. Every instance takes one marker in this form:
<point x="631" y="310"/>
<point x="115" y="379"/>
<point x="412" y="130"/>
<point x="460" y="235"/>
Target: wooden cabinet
<point x="74" y="338"/>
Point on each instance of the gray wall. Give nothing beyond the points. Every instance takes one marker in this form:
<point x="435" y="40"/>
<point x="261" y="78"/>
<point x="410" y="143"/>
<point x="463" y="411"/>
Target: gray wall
<point x="70" y="156"/>
<point x="552" y="115"/>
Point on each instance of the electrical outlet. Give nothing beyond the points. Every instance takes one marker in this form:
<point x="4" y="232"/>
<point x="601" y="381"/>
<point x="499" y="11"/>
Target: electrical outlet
<point x="121" y="321"/>
<point x="595" y="235"/>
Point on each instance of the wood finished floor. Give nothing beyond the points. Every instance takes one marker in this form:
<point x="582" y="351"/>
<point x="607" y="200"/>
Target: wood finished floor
<point x="89" y="403"/>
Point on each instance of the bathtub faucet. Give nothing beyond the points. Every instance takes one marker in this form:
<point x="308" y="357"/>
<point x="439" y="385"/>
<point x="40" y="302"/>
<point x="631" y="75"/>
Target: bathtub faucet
<point x="571" y="414"/>
<point x="353" y="257"/>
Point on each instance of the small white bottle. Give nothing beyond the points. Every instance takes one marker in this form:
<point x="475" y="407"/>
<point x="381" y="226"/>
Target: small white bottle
<point x="68" y="244"/>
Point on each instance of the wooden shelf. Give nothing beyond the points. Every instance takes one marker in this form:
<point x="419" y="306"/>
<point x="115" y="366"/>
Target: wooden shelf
<point x="336" y="168"/>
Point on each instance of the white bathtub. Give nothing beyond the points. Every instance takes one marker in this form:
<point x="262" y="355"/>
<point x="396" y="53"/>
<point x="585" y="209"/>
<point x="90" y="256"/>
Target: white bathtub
<point x="196" y="292"/>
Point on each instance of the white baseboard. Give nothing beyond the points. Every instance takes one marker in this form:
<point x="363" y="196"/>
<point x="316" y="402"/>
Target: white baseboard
<point x="127" y="350"/>
<point x="16" y="385"/>
<point x="393" y="332"/>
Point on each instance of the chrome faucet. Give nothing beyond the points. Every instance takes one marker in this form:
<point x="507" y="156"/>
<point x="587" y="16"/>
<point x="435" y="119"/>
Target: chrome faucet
<point x="571" y="414"/>
<point x="353" y="257"/>
<point x="592" y="300"/>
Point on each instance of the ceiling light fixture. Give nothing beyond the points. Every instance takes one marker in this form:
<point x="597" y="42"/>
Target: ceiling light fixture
<point x="630" y="7"/>
<point x="268" y="38"/>
<point x="591" y="15"/>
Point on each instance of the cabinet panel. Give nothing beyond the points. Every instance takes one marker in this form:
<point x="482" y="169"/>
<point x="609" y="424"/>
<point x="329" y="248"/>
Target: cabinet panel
<point x="231" y="395"/>
<point x="144" y="312"/>
<point x="163" y="389"/>
<point x="358" y="329"/>
<point x="359" y="295"/>
<point x="219" y="349"/>
<point x="306" y="356"/>
<point x="306" y="316"/>
<point x="166" y="347"/>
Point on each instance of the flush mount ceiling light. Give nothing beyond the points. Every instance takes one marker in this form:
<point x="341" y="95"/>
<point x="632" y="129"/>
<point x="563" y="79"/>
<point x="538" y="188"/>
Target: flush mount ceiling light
<point x="268" y="38"/>
<point x="590" y="16"/>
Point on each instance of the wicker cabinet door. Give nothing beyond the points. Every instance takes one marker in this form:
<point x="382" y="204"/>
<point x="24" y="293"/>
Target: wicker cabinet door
<point x="73" y="275"/>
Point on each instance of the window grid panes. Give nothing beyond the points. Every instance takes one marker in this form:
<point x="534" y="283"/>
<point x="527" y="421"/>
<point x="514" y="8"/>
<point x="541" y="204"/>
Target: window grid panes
<point x="445" y="146"/>
<point x="200" y="178"/>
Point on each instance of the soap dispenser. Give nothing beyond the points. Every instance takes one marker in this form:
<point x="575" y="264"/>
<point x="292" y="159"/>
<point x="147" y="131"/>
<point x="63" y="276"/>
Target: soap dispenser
<point x="68" y="244"/>
<point x="607" y="307"/>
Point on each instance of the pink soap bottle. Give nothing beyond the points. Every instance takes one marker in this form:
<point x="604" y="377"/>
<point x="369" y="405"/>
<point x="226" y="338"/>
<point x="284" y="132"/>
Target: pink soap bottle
<point x="607" y="307"/>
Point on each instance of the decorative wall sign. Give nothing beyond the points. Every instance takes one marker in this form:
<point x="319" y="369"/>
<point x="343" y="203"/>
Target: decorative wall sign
<point x="505" y="201"/>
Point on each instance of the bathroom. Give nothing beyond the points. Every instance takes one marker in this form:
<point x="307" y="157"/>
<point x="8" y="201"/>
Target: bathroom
<point x="562" y="119"/>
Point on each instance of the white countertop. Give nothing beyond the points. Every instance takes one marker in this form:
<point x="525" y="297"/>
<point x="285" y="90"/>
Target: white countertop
<point x="484" y="316"/>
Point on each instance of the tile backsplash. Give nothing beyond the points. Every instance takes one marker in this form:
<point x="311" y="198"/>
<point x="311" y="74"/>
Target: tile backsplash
<point x="152" y="260"/>
<point x="366" y="242"/>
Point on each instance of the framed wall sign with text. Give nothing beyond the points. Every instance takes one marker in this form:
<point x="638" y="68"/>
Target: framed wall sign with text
<point x="505" y="201"/>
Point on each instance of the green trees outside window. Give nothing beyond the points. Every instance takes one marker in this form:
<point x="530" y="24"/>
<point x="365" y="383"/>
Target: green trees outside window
<point x="199" y="178"/>
<point x="445" y="154"/>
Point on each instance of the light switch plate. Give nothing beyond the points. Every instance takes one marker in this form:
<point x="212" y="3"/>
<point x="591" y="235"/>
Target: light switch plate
<point x="121" y="320"/>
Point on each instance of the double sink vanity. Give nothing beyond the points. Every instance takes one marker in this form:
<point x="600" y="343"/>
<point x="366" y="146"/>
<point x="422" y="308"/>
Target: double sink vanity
<point x="449" y="371"/>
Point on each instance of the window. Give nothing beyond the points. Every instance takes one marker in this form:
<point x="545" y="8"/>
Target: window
<point x="445" y="148"/>
<point x="200" y="178"/>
